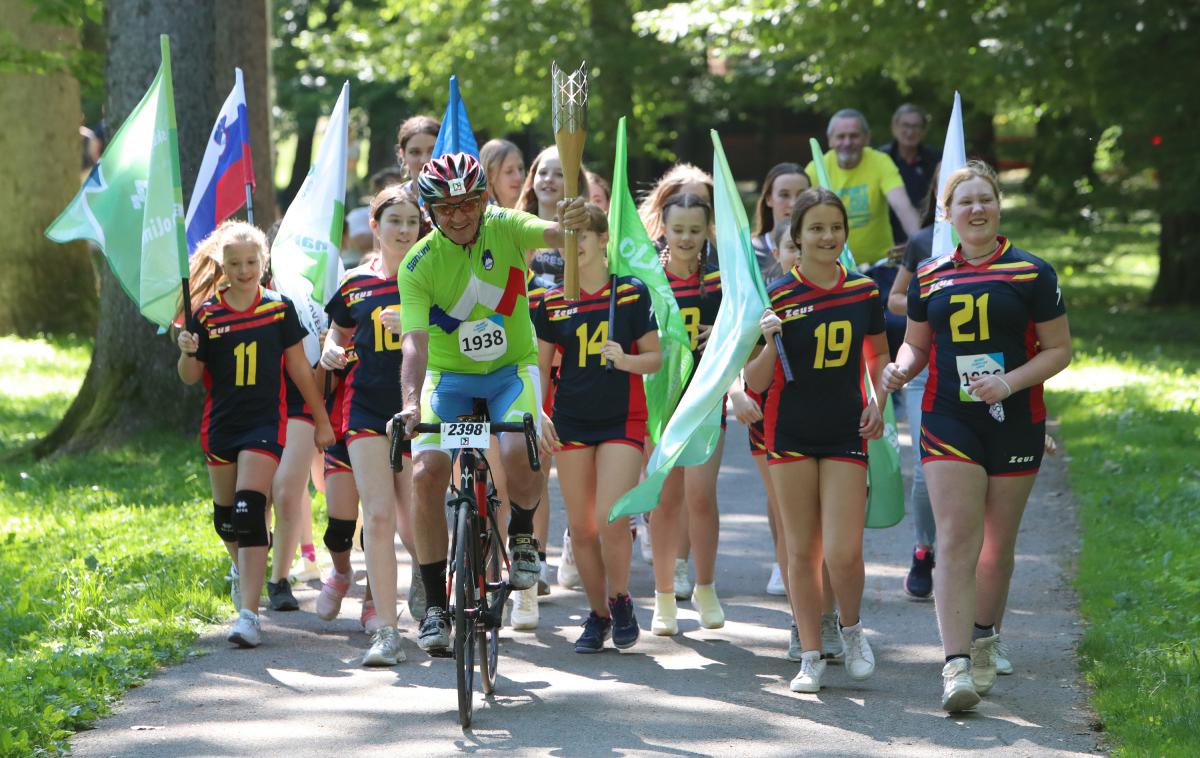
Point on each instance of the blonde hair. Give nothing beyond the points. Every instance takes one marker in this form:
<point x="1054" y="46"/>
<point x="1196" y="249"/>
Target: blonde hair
<point x="651" y="207"/>
<point x="206" y="269"/>
<point x="975" y="169"/>
<point x="527" y="201"/>
<point x="492" y="156"/>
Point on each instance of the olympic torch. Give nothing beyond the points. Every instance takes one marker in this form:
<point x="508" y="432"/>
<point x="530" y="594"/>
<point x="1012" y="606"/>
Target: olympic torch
<point x="568" y="96"/>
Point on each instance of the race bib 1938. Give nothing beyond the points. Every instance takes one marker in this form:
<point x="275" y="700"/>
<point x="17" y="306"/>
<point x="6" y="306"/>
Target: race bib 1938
<point x="483" y="340"/>
<point x="971" y="367"/>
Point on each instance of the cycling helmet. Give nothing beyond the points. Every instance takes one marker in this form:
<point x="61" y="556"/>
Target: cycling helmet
<point x="451" y="175"/>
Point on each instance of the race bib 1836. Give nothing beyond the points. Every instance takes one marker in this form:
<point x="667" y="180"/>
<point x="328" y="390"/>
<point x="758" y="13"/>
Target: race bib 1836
<point x="971" y="367"/>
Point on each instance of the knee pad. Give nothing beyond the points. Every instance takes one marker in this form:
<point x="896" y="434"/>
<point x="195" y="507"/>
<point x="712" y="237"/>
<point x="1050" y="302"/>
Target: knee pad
<point x="339" y="534"/>
<point x="223" y="522"/>
<point x="250" y="518"/>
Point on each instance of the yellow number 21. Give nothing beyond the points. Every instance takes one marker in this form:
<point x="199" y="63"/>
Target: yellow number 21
<point x="968" y="307"/>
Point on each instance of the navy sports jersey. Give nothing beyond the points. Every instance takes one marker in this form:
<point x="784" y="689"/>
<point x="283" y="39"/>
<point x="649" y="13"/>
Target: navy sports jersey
<point x="697" y="310"/>
<point x="358" y="304"/>
<point x="823" y="333"/>
<point x="546" y="268"/>
<point x="982" y="318"/>
<point x="243" y="356"/>
<point x="587" y="393"/>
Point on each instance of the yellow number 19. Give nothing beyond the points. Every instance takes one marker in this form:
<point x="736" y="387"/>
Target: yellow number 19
<point x="832" y="337"/>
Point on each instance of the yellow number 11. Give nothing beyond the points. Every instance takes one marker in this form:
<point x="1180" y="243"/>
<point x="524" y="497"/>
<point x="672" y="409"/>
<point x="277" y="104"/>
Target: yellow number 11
<point x="247" y="363"/>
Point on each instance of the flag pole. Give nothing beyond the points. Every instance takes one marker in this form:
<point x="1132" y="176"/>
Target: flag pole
<point x="612" y="315"/>
<point x="164" y="43"/>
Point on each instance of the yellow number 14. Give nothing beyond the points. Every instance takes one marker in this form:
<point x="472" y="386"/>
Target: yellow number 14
<point x="593" y="345"/>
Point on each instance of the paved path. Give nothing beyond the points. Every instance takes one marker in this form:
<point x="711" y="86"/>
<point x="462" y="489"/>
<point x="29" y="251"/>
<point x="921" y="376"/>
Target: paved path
<point x="704" y="692"/>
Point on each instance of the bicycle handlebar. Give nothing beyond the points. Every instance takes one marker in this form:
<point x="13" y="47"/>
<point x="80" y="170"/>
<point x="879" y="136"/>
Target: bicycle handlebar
<point x="525" y="427"/>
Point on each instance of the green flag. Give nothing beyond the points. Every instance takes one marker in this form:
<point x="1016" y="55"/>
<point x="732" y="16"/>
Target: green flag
<point x="131" y="205"/>
<point x="631" y="253"/>
<point x="692" y="433"/>
<point x="885" y="484"/>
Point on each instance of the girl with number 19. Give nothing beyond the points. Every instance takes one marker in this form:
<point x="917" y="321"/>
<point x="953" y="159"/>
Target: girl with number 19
<point x="817" y="426"/>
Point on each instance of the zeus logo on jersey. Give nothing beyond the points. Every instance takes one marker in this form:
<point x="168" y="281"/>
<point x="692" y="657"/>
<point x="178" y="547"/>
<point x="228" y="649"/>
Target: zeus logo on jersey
<point x="791" y="313"/>
<point x="940" y="284"/>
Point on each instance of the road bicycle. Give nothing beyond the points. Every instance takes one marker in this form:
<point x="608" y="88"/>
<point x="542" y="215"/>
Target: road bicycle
<point x="478" y="563"/>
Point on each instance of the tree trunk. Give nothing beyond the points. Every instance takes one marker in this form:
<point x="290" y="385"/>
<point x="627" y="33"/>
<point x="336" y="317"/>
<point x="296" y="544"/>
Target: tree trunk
<point x="46" y="287"/>
<point x="243" y="26"/>
<point x="306" y="129"/>
<point x="131" y="384"/>
<point x="1178" y="280"/>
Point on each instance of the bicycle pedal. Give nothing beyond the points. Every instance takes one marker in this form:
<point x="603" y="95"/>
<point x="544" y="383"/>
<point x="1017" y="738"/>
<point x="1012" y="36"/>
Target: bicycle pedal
<point x="447" y="653"/>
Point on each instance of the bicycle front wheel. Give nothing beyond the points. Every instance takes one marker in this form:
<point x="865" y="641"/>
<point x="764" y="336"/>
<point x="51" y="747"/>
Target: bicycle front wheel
<point x="465" y="606"/>
<point x="489" y="636"/>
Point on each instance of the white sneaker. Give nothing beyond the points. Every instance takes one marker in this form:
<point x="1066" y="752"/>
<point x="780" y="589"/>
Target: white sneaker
<point x="1004" y="665"/>
<point x="644" y="540"/>
<point x="665" y="622"/>
<point x="385" y="648"/>
<point x="304" y="570"/>
<point x="831" y="638"/>
<point x="860" y="660"/>
<point x="811" y="669"/>
<point x="525" y="609"/>
<point x="568" y="574"/>
<point x="683" y="585"/>
<point x="958" y="687"/>
<point x="795" y="652"/>
<point x="543" y="586"/>
<point x="775" y="584"/>
<point x="983" y="663"/>
<point x="708" y="605"/>
<point x="245" y="631"/>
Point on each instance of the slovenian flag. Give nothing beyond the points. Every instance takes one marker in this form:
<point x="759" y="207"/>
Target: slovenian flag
<point x="455" y="134"/>
<point x="227" y="168"/>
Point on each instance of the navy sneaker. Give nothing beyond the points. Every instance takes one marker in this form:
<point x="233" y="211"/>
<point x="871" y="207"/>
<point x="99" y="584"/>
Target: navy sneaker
<point x="625" y="629"/>
<point x="919" y="582"/>
<point x="280" y="596"/>
<point x="595" y="632"/>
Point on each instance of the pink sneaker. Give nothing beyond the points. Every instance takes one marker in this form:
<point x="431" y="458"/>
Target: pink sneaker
<point x="333" y="590"/>
<point x="369" y="620"/>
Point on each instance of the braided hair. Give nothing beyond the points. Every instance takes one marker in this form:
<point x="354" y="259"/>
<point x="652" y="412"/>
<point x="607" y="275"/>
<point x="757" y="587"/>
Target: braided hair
<point x="684" y="201"/>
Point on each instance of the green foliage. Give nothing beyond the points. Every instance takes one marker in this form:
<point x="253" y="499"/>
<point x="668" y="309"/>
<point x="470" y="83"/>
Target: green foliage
<point x="501" y="53"/>
<point x="83" y="64"/>
<point x="1129" y="406"/>
<point x="107" y="560"/>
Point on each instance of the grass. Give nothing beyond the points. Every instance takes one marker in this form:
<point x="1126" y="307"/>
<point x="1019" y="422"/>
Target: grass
<point x="110" y="567"/>
<point x="107" y="560"/>
<point x="1129" y="407"/>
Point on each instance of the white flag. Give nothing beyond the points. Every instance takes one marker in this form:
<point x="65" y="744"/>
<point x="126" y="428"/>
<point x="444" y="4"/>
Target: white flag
<point x="954" y="157"/>
<point x="306" y="262"/>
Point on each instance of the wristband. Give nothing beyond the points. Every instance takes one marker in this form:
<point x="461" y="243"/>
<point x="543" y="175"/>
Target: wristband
<point x="1005" y="385"/>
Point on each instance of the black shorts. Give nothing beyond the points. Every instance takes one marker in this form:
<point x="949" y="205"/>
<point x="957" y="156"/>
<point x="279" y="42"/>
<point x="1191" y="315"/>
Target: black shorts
<point x="787" y="451"/>
<point x="757" y="431"/>
<point x="576" y="436"/>
<point x="222" y="449"/>
<point x="337" y="458"/>
<point x="368" y="410"/>
<point x="296" y="407"/>
<point x="1005" y="448"/>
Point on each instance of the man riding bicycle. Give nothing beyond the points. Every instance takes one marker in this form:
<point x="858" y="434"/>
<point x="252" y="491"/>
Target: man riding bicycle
<point x="468" y="334"/>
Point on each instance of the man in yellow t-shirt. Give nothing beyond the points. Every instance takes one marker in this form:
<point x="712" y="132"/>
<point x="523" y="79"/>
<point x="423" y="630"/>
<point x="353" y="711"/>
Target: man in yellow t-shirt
<point x="868" y="183"/>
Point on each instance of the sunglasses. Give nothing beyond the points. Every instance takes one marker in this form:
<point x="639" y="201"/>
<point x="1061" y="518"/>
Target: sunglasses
<point x="466" y="207"/>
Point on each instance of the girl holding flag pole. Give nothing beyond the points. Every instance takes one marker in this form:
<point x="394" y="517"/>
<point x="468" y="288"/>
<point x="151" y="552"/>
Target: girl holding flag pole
<point x="831" y="320"/>
<point x="365" y="310"/>
<point x="689" y="492"/>
<point x="245" y="337"/>
<point x="599" y="422"/>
